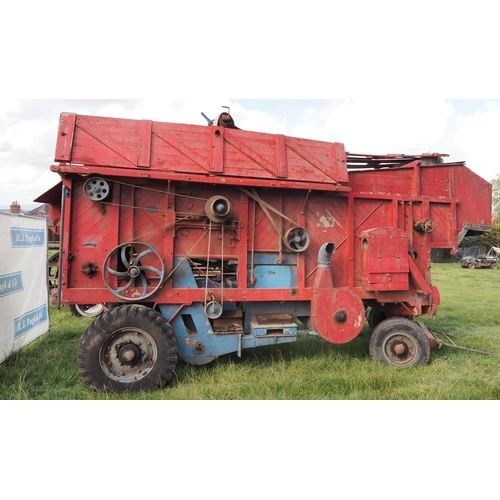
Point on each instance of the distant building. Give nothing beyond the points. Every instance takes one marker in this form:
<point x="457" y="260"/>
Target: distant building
<point x="42" y="211"/>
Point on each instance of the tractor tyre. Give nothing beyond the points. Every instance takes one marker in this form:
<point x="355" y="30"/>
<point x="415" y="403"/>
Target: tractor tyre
<point x="400" y="342"/>
<point x="129" y="348"/>
<point x="376" y="316"/>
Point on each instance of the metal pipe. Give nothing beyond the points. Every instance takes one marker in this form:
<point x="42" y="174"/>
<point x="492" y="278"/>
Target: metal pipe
<point x="325" y="254"/>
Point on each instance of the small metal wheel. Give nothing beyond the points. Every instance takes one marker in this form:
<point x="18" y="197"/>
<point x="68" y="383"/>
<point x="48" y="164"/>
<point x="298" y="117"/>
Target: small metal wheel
<point x="297" y="239"/>
<point x="87" y="310"/>
<point x="133" y="271"/>
<point x="127" y="348"/>
<point x="213" y="310"/>
<point x="471" y="265"/>
<point x="96" y="189"/>
<point x="494" y="266"/>
<point x="400" y="342"/>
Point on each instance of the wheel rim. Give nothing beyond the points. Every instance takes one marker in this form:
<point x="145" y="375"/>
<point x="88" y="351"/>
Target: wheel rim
<point x="128" y="355"/>
<point x="96" y="189"/>
<point x="400" y="348"/>
<point x="89" y="310"/>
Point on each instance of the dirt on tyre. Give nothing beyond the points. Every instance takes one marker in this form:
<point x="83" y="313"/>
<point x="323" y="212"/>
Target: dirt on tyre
<point x="129" y="348"/>
<point x="400" y="342"/>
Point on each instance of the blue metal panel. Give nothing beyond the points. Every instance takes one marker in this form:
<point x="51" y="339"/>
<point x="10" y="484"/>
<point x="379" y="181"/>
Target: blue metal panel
<point x="274" y="277"/>
<point x="198" y="344"/>
<point x="270" y="258"/>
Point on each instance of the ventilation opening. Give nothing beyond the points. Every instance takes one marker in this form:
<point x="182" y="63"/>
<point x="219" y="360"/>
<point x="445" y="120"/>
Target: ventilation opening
<point x="189" y="324"/>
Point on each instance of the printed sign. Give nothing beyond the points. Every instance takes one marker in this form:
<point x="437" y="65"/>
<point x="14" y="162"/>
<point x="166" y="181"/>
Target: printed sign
<point x="30" y="320"/>
<point x="25" y="237"/>
<point x="24" y="297"/>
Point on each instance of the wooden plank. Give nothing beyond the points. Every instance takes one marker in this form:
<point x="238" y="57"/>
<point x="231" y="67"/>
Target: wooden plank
<point x="144" y="157"/>
<point x="66" y="133"/>
<point x="92" y="128"/>
<point x="275" y="319"/>
<point x="180" y="145"/>
<point x="252" y="154"/>
<point x="217" y="151"/>
<point x="281" y="162"/>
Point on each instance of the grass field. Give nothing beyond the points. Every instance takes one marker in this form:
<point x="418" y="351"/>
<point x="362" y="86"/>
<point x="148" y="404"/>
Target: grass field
<point x="309" y="369"/>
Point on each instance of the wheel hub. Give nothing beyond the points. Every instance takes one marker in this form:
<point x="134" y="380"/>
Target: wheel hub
<point x="129" y="354"/>
<point x="399" y="349"/>
<point x="133" y="271"/>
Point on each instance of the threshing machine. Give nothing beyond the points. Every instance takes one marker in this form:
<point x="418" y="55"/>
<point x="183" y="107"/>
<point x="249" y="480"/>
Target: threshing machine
<point x="206" y="240"/>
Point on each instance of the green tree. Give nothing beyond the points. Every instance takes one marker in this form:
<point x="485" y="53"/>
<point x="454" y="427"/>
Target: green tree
<point x="496" y="197"/>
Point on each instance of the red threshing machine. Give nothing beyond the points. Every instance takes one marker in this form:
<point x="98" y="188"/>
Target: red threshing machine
<point x="206" y="240"/>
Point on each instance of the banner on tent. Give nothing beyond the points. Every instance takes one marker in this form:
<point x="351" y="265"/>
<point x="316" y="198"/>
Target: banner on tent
<point x="24" y="304"/>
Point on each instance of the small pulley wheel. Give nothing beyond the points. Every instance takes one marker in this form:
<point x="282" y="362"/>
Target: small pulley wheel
<point x="213" y="310"/>
<point x="218" y="209"/>
<point x="96" y="189"/>
<point x="297" y="239"/>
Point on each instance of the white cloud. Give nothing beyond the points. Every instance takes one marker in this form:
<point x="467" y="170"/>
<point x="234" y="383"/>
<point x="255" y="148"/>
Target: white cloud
<point x="381" y="126"/>
<point x="478" y="135"/>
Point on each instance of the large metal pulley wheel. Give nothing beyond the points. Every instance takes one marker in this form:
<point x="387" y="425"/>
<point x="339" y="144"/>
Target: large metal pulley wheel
<point x="96" y="189"/>
<point x="297" y="239"/>
<point x="218" y="209"/>
<point x="133" y="271"/>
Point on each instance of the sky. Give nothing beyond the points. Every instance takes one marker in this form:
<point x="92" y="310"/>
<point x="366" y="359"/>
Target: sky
<point x="465" y="129"/>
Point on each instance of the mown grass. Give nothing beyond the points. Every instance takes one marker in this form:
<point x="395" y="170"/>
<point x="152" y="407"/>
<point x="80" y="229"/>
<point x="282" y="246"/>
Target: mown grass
<point x="309" y="369"/>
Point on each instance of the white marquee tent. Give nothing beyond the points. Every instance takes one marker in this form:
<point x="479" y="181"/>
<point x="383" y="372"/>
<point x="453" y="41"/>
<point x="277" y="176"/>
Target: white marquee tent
<point x="24" y="304"/>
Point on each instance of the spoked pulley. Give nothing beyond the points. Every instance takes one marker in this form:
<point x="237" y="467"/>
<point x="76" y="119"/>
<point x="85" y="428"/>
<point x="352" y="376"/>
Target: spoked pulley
<point x="133" y="271"/>
<point x="297" y="239"/>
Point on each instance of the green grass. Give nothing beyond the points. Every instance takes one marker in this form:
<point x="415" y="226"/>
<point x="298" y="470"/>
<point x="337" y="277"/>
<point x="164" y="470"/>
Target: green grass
<point x="309" y="369"/>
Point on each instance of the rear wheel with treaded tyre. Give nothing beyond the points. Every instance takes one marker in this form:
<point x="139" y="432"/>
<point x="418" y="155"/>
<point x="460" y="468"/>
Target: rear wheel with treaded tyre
<point x="400" y="342"/>
<point x="128" y="348"/>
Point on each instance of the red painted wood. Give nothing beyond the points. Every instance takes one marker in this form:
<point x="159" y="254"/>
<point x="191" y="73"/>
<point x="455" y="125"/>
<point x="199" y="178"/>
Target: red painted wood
<point x="112" y="142"/>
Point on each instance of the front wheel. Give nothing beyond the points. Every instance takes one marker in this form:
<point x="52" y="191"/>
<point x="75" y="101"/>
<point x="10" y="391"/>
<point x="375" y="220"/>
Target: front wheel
<point x="400" y="342"/>
<point x="128" y="348"/>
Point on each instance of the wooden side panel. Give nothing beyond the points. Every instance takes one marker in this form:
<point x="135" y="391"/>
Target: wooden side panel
<point x="395" y="181"/>
<point x="437" y="181"/>
<point x="385" y="259"/>
<point x="201" y="150"/>
<point x="475" y="197"/>
<point x="444" y="234"/>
